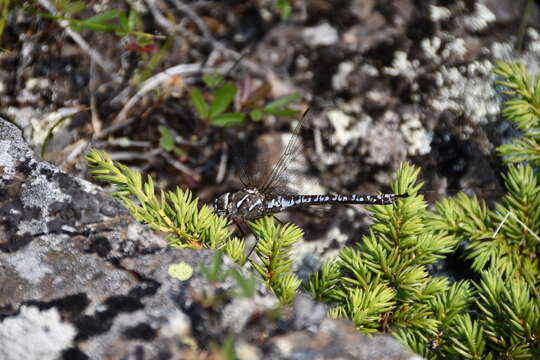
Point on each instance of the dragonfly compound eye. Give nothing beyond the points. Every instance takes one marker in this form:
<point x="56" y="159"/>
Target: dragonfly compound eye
<point x="221" y="203"/>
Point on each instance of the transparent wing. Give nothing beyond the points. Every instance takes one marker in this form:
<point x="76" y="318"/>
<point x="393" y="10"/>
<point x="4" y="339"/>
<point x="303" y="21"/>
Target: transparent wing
<point x="276" y="179"/>
<point x="253" y="169"/>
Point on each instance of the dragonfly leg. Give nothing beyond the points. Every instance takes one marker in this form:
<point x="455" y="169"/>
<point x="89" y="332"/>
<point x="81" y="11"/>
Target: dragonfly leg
<point x="239" y="227"/>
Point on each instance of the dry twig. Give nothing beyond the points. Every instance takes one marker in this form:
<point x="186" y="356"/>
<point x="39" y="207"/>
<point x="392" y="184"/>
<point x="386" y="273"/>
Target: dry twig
<point x="150" y="84"/>
<point x="519" y="221"/>
<point x="104" y="63"/>
<point x="178" y="165"/>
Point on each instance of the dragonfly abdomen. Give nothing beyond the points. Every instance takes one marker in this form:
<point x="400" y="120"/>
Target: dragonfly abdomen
<point x="282" y="202"/>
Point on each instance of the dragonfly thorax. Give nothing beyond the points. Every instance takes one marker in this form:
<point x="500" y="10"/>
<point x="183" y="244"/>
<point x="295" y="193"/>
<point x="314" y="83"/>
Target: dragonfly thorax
<point x="245" y="204"/>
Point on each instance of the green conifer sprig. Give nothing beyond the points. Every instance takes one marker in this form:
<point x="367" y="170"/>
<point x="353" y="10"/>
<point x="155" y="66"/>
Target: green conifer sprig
<point x="324" y="281"/>
<point x="451" y="304"/>
<point x="458" y="333"/>
<point x="510" y="315"/>
<point x="520" y="238"/>
<point x="383" y="284"/>
<point x="365" y="307"/>
<point x="513" y="248"/>
<point x="236" y="249"/>
<point x="455" y="334"/>
<point x="274" y="252"/>
<point x="175" y="212"/>
<point x="522" y="108"/>
<point x="468" y="340"/>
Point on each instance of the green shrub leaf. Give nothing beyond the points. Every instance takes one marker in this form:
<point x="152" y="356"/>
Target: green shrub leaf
<point x="228" y="119"/>
<point x="222" y="99"/>
<point x="201" y="107"/>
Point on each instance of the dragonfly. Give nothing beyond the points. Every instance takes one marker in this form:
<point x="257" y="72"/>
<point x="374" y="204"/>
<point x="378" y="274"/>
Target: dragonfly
<point x="262" y="196"/>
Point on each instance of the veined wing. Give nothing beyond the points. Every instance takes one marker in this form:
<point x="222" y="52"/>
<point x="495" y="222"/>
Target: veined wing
<point x="276" y="179"/>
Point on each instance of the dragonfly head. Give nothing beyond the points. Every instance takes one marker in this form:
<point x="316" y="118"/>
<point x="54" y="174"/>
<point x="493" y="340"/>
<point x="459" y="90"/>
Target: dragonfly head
<point x="221" y="204"/>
